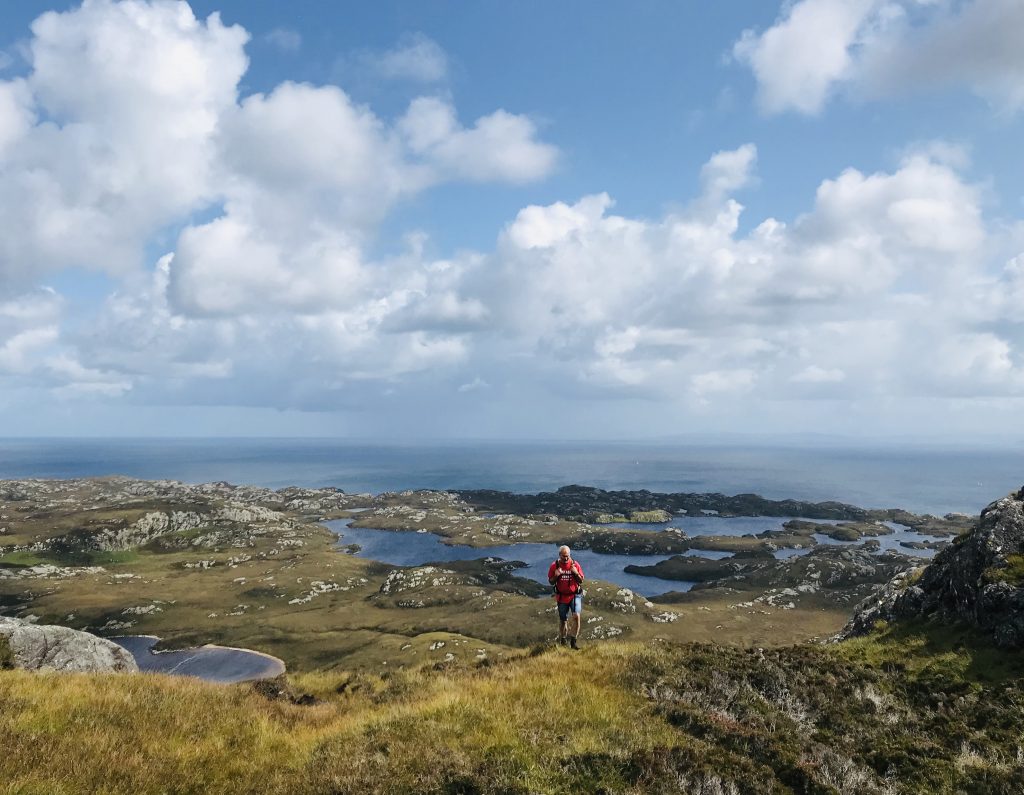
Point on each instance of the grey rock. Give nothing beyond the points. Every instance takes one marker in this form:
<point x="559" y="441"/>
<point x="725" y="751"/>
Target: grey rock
<point x="36" y="647"/>
<point x="963" y="583"/>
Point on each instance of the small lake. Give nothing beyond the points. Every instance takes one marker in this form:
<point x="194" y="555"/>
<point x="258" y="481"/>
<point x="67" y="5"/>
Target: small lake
<point x="404" y="548"/>
<point x="212" y="663"/>
<point x="401" y="548"/>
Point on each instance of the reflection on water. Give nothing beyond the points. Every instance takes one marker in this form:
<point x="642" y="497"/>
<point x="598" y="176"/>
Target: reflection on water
<point x="402" y="548"/>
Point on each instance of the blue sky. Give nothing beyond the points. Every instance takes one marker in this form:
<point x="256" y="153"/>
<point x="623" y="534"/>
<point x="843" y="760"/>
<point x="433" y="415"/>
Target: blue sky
<point x="494" y="220"/>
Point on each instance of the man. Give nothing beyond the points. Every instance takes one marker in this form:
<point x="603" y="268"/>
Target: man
<point x="566" y="576"/>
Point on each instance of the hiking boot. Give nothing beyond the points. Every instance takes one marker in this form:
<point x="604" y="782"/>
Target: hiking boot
<point x="562" y="641"/>
<point x="572" y="643"/>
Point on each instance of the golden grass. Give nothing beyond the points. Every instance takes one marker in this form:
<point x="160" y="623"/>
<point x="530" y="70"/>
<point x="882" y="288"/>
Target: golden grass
<point x="145" y="733"/>
<point x="616" y="718"/>
<point x="514" y="724"/>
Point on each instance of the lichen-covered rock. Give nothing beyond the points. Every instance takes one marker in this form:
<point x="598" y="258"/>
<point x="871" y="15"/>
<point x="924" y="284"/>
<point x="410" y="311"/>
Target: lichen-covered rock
<point x="151" y="526"/>
<point x="36" y="647"/>
<point x="977" y="579"/>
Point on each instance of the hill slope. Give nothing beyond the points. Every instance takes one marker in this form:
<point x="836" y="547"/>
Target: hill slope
<point x="905" y="712"/>
<point x="914" y="705"/>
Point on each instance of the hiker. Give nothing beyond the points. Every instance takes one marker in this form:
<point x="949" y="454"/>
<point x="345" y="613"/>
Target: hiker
<point x="566" y="576"/>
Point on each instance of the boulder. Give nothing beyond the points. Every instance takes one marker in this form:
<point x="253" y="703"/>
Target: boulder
<point x="35" y="647"/>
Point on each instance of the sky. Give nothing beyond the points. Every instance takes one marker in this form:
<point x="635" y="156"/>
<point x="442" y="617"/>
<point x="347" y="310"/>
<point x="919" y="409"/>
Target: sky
<point x="448" y="220"/>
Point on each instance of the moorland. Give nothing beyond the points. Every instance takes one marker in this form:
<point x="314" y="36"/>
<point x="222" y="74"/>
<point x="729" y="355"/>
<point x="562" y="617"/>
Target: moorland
<point x="442" y="677"/>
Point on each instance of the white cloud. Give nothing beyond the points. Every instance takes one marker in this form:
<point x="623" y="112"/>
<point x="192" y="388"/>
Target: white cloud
<point x="16" y="115"/>
<point x="501" y="146"/>
<point x="728" y="171"/>
<point x="128" y="95"/>
<point x="32" y="350"/>
<point x="416" y="57"/>
<point x="230" y="267"/>
<point x="18" y="352"/>
<point x="885" y="47"/>
<point x="129" y="124"/>
<point x="543" y="227"/>
<point x="284" y="39"/>
<point x="847" y="294"/>
<point x="271" y="294"/>
<point x="799" y="60"/>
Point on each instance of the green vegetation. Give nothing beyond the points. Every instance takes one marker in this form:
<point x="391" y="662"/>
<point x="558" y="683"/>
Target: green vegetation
<point x="22" y="558"/>
<point x="1012" y="572"/>
<point x="78" y="557"/>
<point x="913" y="710"/>
<point x="844" y="533"/>
<point x="6" y="657"/>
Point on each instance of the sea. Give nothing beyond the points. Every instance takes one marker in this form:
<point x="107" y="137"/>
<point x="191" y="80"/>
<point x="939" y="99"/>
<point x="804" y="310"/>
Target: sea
<point x="922" y="479"/>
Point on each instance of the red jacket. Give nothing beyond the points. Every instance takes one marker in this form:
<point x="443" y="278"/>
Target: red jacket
<point x="566" y="586"/>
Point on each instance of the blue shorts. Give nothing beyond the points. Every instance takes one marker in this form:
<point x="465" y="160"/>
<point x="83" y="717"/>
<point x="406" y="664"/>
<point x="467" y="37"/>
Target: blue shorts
<point x="575" y="606"/>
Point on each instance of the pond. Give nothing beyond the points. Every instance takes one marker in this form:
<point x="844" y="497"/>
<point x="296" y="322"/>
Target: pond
<point x="212" y="663"/>
<point x="404" y="548"/>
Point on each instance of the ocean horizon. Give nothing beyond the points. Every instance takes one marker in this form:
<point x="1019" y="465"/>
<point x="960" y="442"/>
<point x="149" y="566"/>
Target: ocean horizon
<point x="918" y="478"/>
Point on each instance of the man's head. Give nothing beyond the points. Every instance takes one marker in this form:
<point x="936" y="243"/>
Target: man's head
<point x="563" y="553"/>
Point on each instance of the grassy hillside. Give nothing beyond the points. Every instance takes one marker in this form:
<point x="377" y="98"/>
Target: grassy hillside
<point x="908" y="712"/>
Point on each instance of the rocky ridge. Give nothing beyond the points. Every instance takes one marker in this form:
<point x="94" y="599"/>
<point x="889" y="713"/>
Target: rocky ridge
<point x="978" y="579"/>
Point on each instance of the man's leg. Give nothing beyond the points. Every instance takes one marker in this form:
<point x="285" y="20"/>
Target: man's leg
<point x="563" y="622"/>
<point x="576" y="621"/>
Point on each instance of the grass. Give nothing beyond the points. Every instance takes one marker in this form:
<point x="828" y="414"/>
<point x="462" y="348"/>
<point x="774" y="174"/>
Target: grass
<point x="144" y="734"/>
<point x="912" y="710"/>
<point x="1012" y="572"/>
<point x="22" y="558"/>
<point x="6" y="657"/>
<point x="84" y="557"/>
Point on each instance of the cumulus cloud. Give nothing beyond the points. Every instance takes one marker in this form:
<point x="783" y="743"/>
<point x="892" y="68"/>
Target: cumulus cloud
<point x="501" y="146"/>
<point x="727" y="171"/>
<point x="858" y="298"/>
<point x="107" y="139"/>
<point x="854" y="292"/>
<point x="799" y="59"/>
<point x="33" y="352"/>
<point x="891" y="284"/>
<point x="129" y="123"/>
<point x="883" y="47"/>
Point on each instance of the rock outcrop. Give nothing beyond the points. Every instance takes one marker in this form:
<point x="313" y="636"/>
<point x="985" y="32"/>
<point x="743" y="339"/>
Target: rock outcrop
<point x="55" y="648"/>
<point x="978" y="579"/>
